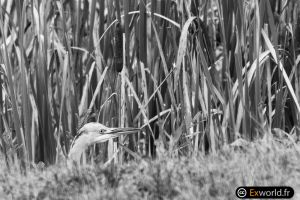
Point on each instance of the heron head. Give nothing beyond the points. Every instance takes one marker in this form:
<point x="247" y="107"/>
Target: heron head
<point x="92" y="133"/>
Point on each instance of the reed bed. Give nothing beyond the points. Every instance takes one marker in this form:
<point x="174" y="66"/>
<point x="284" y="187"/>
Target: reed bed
<point x="195" y="75"/>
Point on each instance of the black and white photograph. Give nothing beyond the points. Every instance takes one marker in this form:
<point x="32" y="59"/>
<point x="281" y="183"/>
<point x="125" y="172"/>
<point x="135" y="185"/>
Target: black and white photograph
<point x="149" y="99"/>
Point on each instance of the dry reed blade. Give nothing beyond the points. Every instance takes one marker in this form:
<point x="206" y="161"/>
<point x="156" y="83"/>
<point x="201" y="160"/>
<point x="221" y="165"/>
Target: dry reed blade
<point x="17" y="123"/>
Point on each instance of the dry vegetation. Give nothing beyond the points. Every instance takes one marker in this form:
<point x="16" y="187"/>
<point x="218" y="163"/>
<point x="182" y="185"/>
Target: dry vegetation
<point x="197" y="75"/>
<point x="203" y="177"/>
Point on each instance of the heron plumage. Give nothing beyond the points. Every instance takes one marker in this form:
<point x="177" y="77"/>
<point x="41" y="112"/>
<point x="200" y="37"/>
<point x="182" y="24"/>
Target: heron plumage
<point x="92" y="133"/>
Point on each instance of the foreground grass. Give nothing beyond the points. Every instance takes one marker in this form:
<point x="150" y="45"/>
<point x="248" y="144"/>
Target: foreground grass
<point x="199" y="177"/>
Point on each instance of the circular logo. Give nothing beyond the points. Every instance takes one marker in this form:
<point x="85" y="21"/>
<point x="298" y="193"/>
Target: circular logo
<point x="241" y="192"/>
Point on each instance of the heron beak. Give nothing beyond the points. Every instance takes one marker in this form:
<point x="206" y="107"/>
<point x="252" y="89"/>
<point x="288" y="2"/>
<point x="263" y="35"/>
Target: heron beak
<point x="122" y="131"/>
<point x="114" y="133"/>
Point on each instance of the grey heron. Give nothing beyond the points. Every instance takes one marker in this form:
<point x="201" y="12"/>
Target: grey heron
<point x="92" y="133"/>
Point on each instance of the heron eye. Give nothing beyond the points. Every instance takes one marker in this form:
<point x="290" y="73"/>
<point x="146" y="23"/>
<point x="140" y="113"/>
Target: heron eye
<point x="102" y="130"/>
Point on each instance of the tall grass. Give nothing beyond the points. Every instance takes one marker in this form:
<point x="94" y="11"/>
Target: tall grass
<point x="195" y="74"/>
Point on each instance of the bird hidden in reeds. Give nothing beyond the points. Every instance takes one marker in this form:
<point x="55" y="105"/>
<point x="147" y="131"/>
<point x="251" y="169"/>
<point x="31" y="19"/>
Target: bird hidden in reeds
<point x="92" y="133"/>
